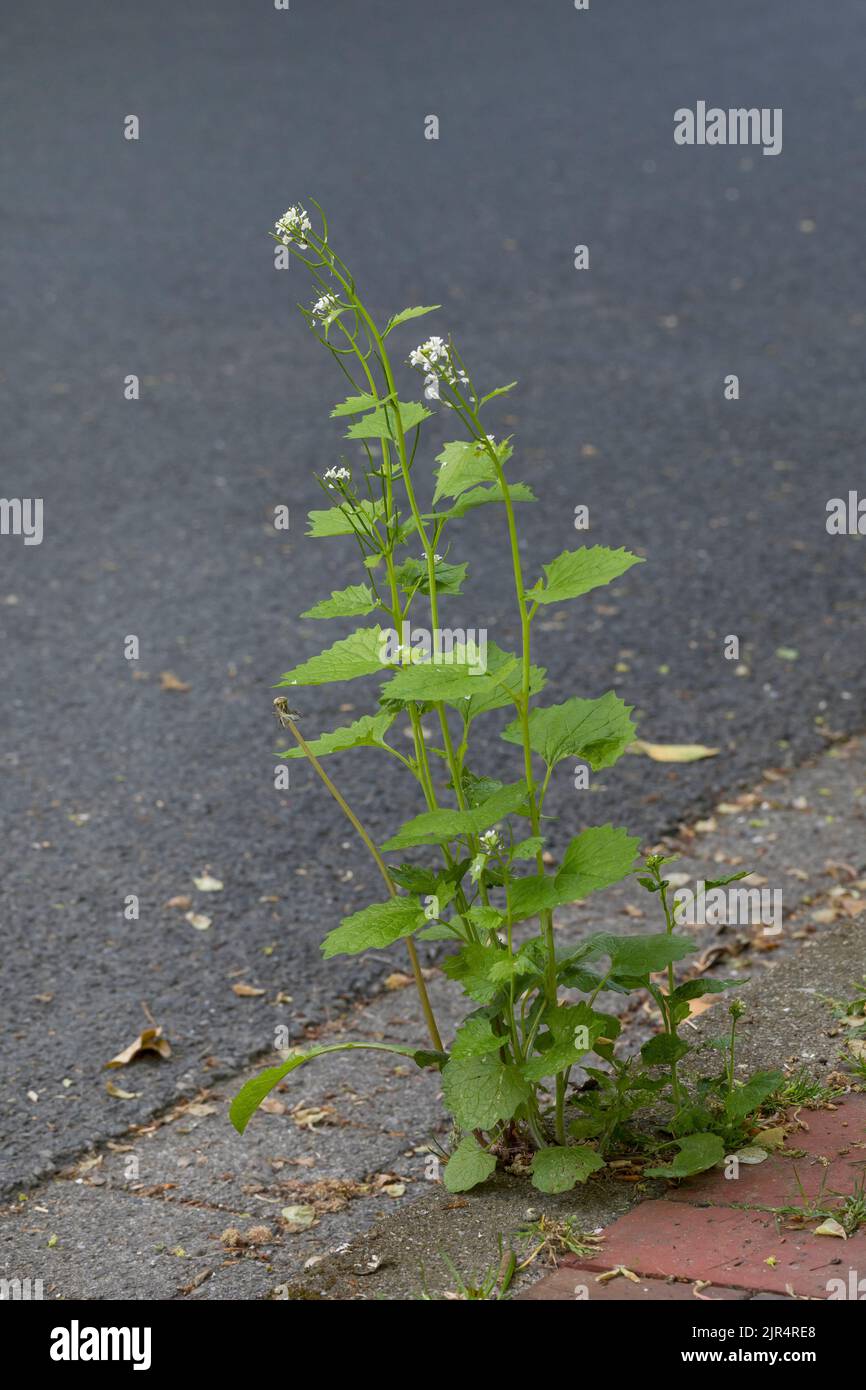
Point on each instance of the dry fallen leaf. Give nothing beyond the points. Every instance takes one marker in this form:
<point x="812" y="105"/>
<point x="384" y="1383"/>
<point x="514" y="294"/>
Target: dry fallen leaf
<point x="246" y="991"/>
<point x="272" y="1106"/>
<point x="169" y="681"/>
<point x="182" y="901"/>
<point x="299" y="1218"/>
<point x="672" y="752"/>
<point x="772" y="1138"/>
<point x="118" y="1094"/>
<point x="308" y="1116"/>
<point x="206" y="884"/>
<point x="751" y="1154"/>
<point x="397" y="980"/>
<point x="200" y="922"/>
<point x="150" y="1040"/>
<point x="830" y="1228"/>
<point x="699" y="1006"/>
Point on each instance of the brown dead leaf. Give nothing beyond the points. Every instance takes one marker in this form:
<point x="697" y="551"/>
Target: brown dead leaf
<point x="309" y="1116"/>
<point x="183" y="902"/>
<point x="397" y="980"/>
<point x="149" y="1040"/>
<point x="169" y="681"/>
<point x="246" y="991"/>
<point x="700" y="1006"/>
<point x="273" y="1106"/>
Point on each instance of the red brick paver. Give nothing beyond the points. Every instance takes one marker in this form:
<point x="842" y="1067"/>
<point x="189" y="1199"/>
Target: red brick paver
<point x="571" y="1282"/>
<point x="700" y="1231"/>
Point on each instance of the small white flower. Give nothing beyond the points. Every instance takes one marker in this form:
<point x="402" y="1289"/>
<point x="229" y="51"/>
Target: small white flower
<point x="292" y="225"/>
<point x="337" y="475"/>
<point x="324" y="307"/>
<point x="437" y="559"/>
<point x="490" y="841"/>
<point x="434" y="359"/>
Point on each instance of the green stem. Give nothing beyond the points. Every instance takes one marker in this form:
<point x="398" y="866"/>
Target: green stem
<point x="420" y="983"/>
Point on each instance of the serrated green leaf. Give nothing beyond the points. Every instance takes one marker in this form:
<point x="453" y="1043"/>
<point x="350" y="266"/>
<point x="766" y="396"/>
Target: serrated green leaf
<point x="374" y="927"/>
<point x="480" y="496"/>
<point x="697" y="1152"/>
<point x="381" y="423"/>
<point x="465" y="464"/>
<point x="504" y="687"/>
<point x="437" y="827"/>
<point x="335" y="520"/>
<point x="645" y="955"/>
<point x="695" y="989"/>
<point x="367" y="732"/>
<point x="600" y="856"/>
<point x="559" y="1169"/>
<point x="663" y="1049"/>
<point x="480" y="1091"/>
<point x="572" y="1031"/>
<point x="251" y="1095"/>
<point x="471" y="967"/>
<point x="460" y="673"/>
<point x="475" y="1038"/>
<point x="598" y="731"/>
<point x="575" y="572"/>
<point x="468" y="1166"/>
<point x="353" y="656"/>
<point x="355" y="405"/>
<point x="406" y="314"/>
<point x="744" y="1099"/>
<point x="412" y="577"/>
<point x="354" y="602"/>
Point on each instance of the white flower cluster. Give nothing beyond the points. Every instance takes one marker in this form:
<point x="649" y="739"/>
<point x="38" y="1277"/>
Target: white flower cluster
<point x="333" y="476"/>
<point x="292" y="226"/>
<point x="324" y="307"/>
<point x="490" y="841"/>
<point x="433" y="358"/>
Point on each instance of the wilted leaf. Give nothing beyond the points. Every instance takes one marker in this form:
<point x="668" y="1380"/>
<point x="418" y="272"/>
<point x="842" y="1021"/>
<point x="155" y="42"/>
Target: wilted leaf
<point x="246" y="991"/>
<point x="118" y="1094"/>
<point x="182" y="901"/>
<point x="150" y="1040"/>
<point x="198" y="920"/>
<point x="830" y="1228"/>
<point x="672" y="752"/>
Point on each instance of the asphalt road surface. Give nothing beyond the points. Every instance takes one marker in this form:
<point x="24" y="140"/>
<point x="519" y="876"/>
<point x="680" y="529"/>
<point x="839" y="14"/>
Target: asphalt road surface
<point x="152" y="257"/>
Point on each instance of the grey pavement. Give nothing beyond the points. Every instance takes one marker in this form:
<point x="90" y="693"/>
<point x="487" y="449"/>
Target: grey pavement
<point x="198" y="1212"/>
<point x="152" y="257"/>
